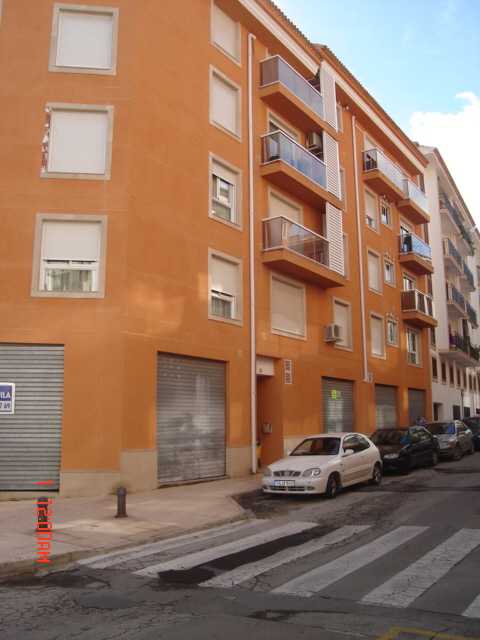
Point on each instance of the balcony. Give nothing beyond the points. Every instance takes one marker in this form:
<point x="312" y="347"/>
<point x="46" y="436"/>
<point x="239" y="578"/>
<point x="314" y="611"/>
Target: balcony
<point x="297" y="251"/>
<point x="472" y="315"/>
<point x="455" y="302"/>
<point x="414" y="204"/>
<point x="415" y="254"/>
<point x="452" y="258"/>
<point x="417" y="309"/>
<point x="291" y="95"/>
<point x="382" y="175"/>
<point x="467" y="282"/>
<point x="453" y="222"/>
<point x="292" y="167"/>
<point x="461" y="350"/>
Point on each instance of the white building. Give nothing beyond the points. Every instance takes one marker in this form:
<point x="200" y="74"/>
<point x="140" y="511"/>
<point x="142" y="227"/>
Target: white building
<point x="455" y="246"/>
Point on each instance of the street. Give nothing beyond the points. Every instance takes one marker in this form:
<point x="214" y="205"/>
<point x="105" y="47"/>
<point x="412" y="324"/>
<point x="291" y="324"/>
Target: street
<point x="398" y="561"/>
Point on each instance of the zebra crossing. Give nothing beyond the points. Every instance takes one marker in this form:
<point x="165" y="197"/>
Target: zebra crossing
<point x="397" y="568"/>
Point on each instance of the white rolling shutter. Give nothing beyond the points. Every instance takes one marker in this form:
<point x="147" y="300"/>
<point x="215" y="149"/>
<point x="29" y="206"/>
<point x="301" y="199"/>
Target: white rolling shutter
<point x="327" y="83"/>
<point x="225" y="32"/>
<point x="224" y="104"/>
<point x="85" y="40"/>
<point x="224" y="276"/>
<point x="332" y="162"/>
<point x="373" y="271"/>
<point x="376" y="331"/>
<point x="334" y="224"/>
<point x="71" y="240"/>
<point x="288" y="307"/>
<point x="280" y="207"/>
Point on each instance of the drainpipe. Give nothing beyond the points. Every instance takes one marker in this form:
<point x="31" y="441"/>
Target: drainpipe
<point x="360" y="254"/>
<point x="251" y="219"/>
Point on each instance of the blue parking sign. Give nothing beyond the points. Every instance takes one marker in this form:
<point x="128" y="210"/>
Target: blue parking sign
<point x="7" y="397"/>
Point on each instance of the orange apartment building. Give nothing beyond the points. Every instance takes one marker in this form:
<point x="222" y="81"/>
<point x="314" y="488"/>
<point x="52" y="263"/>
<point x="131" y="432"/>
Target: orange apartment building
<point x="212" y="237"/>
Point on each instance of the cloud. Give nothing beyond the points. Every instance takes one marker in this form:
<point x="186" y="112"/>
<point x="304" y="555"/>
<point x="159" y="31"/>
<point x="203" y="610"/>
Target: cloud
<point x="457" y="136"/>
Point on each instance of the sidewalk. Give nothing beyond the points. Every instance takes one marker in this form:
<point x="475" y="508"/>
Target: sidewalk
<point x="84" y="526"/>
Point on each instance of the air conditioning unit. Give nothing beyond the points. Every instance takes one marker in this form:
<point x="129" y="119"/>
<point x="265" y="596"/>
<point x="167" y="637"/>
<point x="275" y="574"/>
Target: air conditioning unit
<point x="333" y="333"/>
<point x="314" y="141"/>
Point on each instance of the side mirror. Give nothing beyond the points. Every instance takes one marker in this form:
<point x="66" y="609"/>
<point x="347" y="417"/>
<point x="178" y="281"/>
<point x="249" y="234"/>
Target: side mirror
<point x="347" y="452"/>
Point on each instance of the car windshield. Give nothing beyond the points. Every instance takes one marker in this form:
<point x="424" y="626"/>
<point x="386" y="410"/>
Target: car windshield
<point x="441" y="428"/>
<point x="317" y="447"/>
<point x="390" y="436"/>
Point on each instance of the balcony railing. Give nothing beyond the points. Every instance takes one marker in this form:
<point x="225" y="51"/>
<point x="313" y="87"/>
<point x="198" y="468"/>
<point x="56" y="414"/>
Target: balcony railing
<point x="282" y="233"/>
<point x="454" y="295"/>
<point x="468" y="275"/>
<point x="275" y="69"/>
<point x="411" y="243"/>
<point x="415" y="300"/>
<point x="414" y="193"/>
<point x="279" y="146"/>
<point x="375" y="159"/>
<point x="457" y="218"/>
<point x="449" y="249"/>
<point x="472" y="314"/>
<point x="456" y="341"/>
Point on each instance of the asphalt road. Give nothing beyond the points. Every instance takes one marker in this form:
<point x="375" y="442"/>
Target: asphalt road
<point x="399" y="562"/>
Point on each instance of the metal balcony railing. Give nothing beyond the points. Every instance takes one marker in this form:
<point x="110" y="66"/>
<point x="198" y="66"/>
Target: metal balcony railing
<point x="275" y="69"/>
<point x="468" y="275"/>
<point x="457" y="218"/>
<point x="457" y="341"/>
<point x="411" y="243"/>
<point x="278" y="146"/>
<point x="449" y="249"/>
<point x="454" y="295"/>
<point x="282" y="233"/>
<point x="414" y="193"/>
<point x="472" y="314"/>
<point x="415" y="300"/>
<point x="375" y="159"/>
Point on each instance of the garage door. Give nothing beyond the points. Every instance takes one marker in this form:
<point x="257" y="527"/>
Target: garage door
<point x="386" y="406"/>
<point x="416" y="405"/>
<point x="337" y="398"/>
<point x="30" y="438"/>
<point x="190" y="418"/>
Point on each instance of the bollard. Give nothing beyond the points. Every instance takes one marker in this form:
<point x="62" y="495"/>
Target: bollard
<point x="121" y="503"/>
<point x="42" y="514"/>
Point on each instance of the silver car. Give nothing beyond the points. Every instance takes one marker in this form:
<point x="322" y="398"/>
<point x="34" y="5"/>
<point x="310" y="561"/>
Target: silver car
<point x="454" y="438"/>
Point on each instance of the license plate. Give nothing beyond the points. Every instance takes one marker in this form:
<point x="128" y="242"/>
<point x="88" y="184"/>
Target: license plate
<point x="443" y="445"/>
<point x="284" y="483"/>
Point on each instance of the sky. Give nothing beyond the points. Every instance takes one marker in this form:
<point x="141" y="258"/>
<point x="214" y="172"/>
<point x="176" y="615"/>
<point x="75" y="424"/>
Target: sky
<point x="420" y="59"/>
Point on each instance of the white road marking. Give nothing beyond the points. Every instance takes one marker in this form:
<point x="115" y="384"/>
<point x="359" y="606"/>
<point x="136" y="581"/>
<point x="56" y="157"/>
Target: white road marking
<point x="412" y="582"/>
<point x="207" y="555"/>
<point x="253" y="569"/>
<point x="140" y="551"/>
<point x="473" y="611"/>
<point x="321" y="577"/>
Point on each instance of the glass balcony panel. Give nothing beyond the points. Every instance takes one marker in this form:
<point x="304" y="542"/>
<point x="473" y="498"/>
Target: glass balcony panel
<point x="472" y="314"/>
<point x="411" y="243"/>
<point x="468" y="275"/>
<point x="280" y="232"/>
<point x="278" y="146"/>
<point x="375" y="159"/>
<point x="450" y="249"/>
<point x="413" y="192"/>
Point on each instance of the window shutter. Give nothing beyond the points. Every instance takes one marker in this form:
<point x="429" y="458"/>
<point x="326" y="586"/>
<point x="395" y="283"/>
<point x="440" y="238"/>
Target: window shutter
<point x="370" y="205"/>
<point x="334" y="224"/>
<point x="224" y="108"/>
<point x="280" y="207"/>
<point x="342" y="317"/>
<point x="376" y="326"/>
<point x="225" y="32"/>
<point x="288" y="313"/>
<point x="374" y="271"/>
<point x="223" y="172"/>
<point x="71" y="240"/>
<point x="224" y="276"/>
<point x="85" y="40"/>
<point x="327" y="83"/>
<point x="330" y="150"/>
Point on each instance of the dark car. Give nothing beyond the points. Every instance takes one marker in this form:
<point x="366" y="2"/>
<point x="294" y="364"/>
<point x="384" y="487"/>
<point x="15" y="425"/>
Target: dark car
<point x="454" y="438"/>
<point x="473" y="424"/>
<point x="403" y="449"/>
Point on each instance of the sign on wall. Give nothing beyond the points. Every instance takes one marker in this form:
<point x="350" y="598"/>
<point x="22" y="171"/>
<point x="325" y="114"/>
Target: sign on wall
<point x="7" y="397"/>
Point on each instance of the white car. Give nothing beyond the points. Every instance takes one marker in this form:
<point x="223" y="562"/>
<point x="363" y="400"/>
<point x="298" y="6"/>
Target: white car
<point x="324" y="464"/>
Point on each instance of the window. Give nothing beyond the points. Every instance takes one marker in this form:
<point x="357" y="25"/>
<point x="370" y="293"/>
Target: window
<point x="225" y="192"/>
<point x="278" y="205"/>
<point x="377" y="336"/>
<point x="84" y="39"/>
<point x="464" y="380"/>
<point x="69" y="258"/>
<point x="385" y="213"/>
<point x="225" y="287"/>
<point x="224" y="103"/>
<point x="77" y="142"/>
<point x="451" y="375"/>
<point x="408" y="283"/>
<point x="225" y="33"/>
<point x="343" y="188"/>
<point x="434" y="369"/>
<point x="374" y="282"/>
<point x="342" y="315"/>
<point x="392" y="332"/>
<point x="444" y="372"/>
<point x="339" y="117"/>
<point x="459" y="378"/>
<point x="276" y="124"/>
<point x="413" y="347"/>
<point x="389" y="271"/>
<point x="288" y="307"/>
<point x="371" y="212"/>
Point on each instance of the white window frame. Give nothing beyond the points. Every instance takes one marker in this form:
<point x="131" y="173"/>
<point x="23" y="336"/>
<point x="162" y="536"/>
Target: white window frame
<point x="395" y="323"/>
<point x="237" y="135"/>
<point x="237" y="302"/>
<point x="82" y="8"/>
<point x="236" y="60"/>
<point x="407" y="276"/>
<point x="377" y="316"/>
<point x="302" y="287"/>
<point x="388" y="206"/>
<point x="418" y="353"/>
<point x="377" y="212"/>
<point x="38" y="268"/>
<point x="380" y="279"/>
<point x="237" y="222"/>
<point x="348" y="339"/>
<point x="89" y="108"/>
<point x="390" y="262"/>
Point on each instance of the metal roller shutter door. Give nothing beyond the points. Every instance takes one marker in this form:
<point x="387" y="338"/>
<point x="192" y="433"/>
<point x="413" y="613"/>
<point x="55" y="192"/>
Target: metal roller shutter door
<point x="190" y="418"/>
<point x="416" y="405"/>
<point x="386" y="406"/>
<point x="337" y="405"/>
<point x="30" y="439"/>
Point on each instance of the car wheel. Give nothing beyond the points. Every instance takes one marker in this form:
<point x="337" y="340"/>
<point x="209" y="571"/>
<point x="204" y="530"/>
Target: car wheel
<point x="434" y="459"/>
<point x="333" y="486"/>
<point x="457" y="453"/>
<point x="376" y="478"/>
